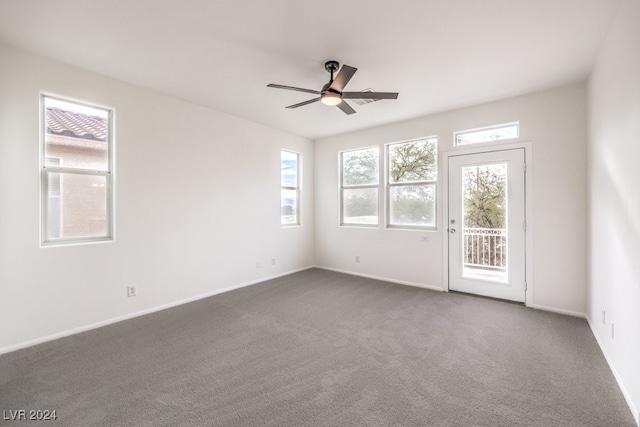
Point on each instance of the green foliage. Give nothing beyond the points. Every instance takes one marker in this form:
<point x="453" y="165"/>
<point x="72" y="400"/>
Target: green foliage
<point x="413" y="161"/>
<point x="362" y="202"/>
<point x="485" y="196"/>
<point x="410" y="162"/>
<point x="360" y="167"/>
<point x="413" y="205"/>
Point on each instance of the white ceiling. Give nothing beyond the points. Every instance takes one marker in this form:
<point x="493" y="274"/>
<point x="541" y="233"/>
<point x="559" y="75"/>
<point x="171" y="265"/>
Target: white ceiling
<point x="439" y="54"/>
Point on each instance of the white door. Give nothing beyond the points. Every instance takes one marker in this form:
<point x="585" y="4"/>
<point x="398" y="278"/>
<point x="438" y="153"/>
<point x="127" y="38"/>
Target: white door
<point x="486" y="224"/>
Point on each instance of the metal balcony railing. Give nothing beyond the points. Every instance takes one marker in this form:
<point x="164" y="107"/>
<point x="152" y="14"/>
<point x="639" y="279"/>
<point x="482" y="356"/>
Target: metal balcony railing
<point x="485" y="248"/>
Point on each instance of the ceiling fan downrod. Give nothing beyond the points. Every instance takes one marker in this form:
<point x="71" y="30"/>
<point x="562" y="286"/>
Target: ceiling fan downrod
<point x="331" y="66"/>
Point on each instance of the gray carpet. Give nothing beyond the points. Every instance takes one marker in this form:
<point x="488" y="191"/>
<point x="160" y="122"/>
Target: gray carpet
<point x="319" y="348"/>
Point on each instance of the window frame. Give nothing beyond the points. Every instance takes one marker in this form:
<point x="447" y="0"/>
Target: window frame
<point x="358" y="187"/>
<point x="46" y="170"/>
<point x="487" y="128"/>
<point x="297" y="188"/>
<point x="59" y="196"/>
<point x="389" y="185"/>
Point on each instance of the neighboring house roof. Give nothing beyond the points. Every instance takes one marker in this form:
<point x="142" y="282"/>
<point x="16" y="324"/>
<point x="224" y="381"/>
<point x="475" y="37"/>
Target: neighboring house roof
<point x="76" y="125"/>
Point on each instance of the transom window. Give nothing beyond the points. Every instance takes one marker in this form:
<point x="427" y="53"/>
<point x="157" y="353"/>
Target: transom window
<point x="487" y="134"/>
<point x="412" y="174"/>
<point x="77" y="173"/>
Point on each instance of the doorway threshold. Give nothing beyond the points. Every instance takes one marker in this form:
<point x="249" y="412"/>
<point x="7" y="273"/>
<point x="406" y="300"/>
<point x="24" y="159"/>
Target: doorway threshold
<point x="489" y="298"/>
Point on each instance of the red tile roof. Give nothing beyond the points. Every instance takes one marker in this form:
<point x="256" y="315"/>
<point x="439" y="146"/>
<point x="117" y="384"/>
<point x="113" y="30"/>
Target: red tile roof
<point x="76" y="125"/>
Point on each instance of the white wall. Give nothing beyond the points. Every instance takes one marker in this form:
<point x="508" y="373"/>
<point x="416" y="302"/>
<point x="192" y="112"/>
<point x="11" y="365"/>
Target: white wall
<point x="197" y="204"/>
<point x="553" y="121"/>
<point x="614" y="172"/>
<point x="180" y="167"/>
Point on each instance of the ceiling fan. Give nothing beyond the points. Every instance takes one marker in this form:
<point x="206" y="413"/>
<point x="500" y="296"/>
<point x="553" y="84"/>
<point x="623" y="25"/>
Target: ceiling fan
<point x="332" y="93"/>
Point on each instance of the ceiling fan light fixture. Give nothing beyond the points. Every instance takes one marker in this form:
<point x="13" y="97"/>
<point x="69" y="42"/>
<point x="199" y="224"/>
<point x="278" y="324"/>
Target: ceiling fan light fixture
<point x="331" y="98"/>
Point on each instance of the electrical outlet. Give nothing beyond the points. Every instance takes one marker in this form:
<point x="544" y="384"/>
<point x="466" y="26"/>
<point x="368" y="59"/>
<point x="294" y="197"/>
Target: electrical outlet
<point x="258" y="264"/>
<point x="357" y="258"/>
<point x="604" y="322"/>
<point x="131" y="291"/>
<point x="273" y="261"/>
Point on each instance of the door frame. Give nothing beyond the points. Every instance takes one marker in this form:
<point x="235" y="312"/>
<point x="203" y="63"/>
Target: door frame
<point x="528" y="198"/>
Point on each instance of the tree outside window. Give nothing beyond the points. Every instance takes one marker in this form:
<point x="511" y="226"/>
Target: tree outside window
<point x="412" y="176"/>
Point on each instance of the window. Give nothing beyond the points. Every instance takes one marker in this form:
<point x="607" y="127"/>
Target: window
<point x="411" y="183"/>
<point x="359" y="187"/>
<point x="76" y="172"/>
<point x="487" y="134"/>
<point x="54" y="202"/>
<point x="290" y="188"/>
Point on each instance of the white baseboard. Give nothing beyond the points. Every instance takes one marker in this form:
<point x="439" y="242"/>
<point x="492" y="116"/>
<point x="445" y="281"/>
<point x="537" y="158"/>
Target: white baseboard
<point x="386" y="279"/>
<point x="558" y="310"/>
<point x="634" y="411"/>
<point x="100" y="324"/>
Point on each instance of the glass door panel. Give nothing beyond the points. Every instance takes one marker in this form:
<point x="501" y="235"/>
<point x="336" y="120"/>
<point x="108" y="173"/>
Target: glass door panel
<point x="484" y="212"/>
<point x="486" y="215"/>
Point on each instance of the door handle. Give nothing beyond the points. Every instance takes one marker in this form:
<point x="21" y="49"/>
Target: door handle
<point x="452" y="230"/>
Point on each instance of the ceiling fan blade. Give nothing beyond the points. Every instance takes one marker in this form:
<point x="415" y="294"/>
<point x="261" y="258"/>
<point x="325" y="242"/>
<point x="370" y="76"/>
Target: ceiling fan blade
<point x="311" y="101"/>
<point x="298" y="89"/>
<point x="343" y="77"/>
<point x="346" y="108"/>
<point x="370" y="95"/>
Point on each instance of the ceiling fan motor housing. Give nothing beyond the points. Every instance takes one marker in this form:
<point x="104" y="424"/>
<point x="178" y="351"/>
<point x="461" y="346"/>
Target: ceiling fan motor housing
<point x="326" y="88"/>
